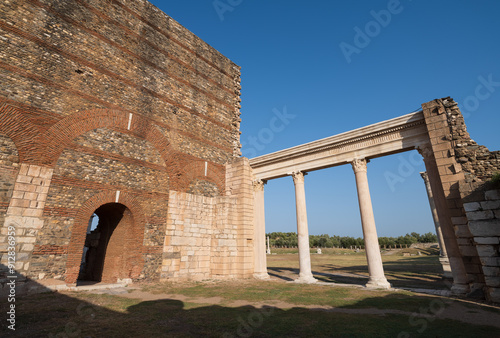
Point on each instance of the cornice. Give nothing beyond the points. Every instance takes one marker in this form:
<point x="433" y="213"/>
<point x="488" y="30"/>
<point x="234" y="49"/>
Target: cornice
<point x="379" y="130"/>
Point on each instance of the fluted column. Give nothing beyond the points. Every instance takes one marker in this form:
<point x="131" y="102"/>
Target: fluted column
<point x="260" y="264"/>
<point x="305" y="274"/>
<point x="374" y="259"/>
<point x="443" y="255"/>
<point x="460" y="283"/>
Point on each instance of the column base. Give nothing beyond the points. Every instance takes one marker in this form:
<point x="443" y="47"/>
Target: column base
<point x="445" y="264"/>
<point x="380" y="283"/>
<point x="306" y="280"/>
<point x="261" y="275"/>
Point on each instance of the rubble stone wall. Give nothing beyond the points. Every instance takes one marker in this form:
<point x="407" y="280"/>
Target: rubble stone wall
<point x="105" y="101"/>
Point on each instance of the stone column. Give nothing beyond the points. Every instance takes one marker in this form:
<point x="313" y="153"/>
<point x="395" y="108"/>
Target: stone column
<point x="374" y="259"/>
<point x="460" y="284"/>
<point x="443" y="255"/>
<point x="260" y="266"/>
<point x="305" y="274"/>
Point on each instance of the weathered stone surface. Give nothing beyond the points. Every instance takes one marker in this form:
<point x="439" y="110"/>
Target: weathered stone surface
<point x="485" y="228"/>
<point x="490" y="205"/>
<point x="490" y="261"/>
<point x="480" y="215"/>
<point x="468" y="250"/>
<point x="472" y="206"/>
<point x="492" y="195"/>
<point x="492" y="281"/>
<point x="487" y="240"/>
<point x="487" y="250"/>
<point x="490" y="271"/>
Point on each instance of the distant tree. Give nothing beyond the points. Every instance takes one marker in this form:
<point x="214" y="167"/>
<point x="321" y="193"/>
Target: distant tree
<point x="290" y="239"/>
<point x="429" y="238"/>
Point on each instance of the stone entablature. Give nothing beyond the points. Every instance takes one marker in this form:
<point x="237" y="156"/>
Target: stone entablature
<point x="388" y="137"/>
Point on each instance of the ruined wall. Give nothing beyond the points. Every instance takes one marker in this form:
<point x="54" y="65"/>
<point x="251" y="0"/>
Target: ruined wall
<point x="478" y="163"/>
<point x="462" y="164"/>
<point x="482" y="208"/>
<point x="114" y="102"/>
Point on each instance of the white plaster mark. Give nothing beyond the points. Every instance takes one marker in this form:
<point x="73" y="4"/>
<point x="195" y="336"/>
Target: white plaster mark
<point x="117" y="196"/>
<point x="206" y="167"/>
<point x="129" y="121"/>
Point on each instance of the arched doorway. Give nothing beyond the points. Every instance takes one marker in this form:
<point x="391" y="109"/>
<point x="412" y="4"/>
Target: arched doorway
<point x="108" y="248"/>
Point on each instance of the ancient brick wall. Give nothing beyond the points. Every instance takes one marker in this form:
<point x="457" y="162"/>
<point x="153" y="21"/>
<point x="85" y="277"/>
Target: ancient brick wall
<point x="113" y="102"/>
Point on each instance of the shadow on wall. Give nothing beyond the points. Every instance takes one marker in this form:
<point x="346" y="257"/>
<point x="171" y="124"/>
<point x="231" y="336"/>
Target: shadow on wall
<point x="80" y="315"/>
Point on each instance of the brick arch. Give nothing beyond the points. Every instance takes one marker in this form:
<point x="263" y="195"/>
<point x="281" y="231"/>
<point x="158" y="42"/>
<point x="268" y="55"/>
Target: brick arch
<point x="66" y="130"/>
<point x="21" y="131"/>
<point x="63" y="132"/>
<point x="79" y="231"/>
<point x="196" y="170"/>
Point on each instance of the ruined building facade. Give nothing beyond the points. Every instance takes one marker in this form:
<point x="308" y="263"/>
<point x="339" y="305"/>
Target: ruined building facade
<point x="120" y="157"/>
<point x="113" y="108"/>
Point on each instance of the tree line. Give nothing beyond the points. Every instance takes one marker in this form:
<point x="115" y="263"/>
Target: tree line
<point x="289" y="240"/>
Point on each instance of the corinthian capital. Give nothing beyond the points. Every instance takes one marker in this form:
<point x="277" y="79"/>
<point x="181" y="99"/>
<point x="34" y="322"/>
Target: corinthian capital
<point x="258" y="185"/>
<point x="359" y="164"/>
<point x="298" y="177"/>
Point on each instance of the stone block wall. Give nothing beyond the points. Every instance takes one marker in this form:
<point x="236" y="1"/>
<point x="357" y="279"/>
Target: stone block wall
<point x="105" y="101"/>
<point x="211" y="237"/>
<point x="482" y="208"/>
<point x="457" y="236"/>
<point x="188" y="240"/>
<point x="463" y="166"/>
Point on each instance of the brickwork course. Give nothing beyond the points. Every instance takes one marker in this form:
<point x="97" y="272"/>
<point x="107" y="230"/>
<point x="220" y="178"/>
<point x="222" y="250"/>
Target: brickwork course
<point x="113" y="102"/>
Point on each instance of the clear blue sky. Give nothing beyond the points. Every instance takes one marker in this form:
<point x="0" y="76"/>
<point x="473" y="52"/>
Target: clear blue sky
<point x="309" y="58"/>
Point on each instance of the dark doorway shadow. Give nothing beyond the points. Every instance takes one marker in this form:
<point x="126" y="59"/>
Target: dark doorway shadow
<point x="96" y="242"/>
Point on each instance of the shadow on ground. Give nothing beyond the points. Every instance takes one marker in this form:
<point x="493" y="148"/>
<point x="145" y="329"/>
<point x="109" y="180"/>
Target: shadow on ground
<point x="57" y="315"/>
<point x="405" y="273"/>
<point x="85" y="314"/>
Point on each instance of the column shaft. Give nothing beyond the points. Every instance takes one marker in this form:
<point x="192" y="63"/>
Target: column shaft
<point x="305" y="274"/>
<point x="443" y="255"/>
<point x="374" y="259"/>
<point x="460" y="284"/>
<point x="260" y="264"/>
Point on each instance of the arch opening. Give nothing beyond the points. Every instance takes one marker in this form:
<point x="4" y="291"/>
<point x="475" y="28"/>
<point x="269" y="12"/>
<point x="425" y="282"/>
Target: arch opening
<point x="108" y="245"/>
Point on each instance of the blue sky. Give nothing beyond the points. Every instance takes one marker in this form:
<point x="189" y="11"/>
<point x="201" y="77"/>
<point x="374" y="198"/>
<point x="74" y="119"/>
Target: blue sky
<point x="310" y="60"/>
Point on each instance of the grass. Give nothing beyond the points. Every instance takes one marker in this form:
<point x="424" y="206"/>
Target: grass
<point x="296" y="294"/>
<point x="349" y="267"/>
<point x="291" y="309"/>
